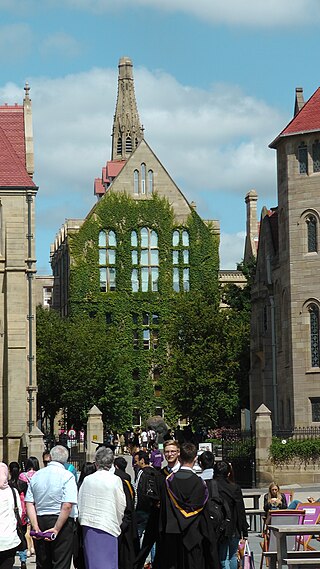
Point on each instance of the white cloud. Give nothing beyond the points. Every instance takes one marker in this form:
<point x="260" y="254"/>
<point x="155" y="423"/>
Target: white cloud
<point x="273" y="13"/>
<point x="15" y="41"/>
<point x="211" y="142"/>
<point x="231" y="249"/>
<point x="59" y="44"/>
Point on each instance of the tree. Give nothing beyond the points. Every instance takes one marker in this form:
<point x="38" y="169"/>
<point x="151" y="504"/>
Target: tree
<point x="78" y="365"/>
<point x="201" y="379"/>
<point x="239" y="302"/>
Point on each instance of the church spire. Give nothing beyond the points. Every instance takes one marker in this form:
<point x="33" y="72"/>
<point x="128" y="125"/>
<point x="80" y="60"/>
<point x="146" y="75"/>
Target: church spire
<point x="127" y="130"/>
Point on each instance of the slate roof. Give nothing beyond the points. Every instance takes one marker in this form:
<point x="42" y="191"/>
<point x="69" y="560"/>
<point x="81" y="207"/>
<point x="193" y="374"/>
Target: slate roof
<point x="13" y="171"/>
<point x="306" y="120"/>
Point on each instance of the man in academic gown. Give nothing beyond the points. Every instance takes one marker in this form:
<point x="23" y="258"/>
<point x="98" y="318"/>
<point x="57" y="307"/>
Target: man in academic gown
<point x="128" y="540"/>
<point x="187" y="539"/>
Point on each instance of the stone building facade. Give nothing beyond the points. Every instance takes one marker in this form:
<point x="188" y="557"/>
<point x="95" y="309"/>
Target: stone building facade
<point x="17" y="267"/>
<point x="140" y="245"/>
<point x="285" y="345"/>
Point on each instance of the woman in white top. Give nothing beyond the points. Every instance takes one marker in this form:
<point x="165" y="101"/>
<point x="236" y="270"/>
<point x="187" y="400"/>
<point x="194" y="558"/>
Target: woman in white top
<point x="101" y="507"/>
<point x="9" y="539"/>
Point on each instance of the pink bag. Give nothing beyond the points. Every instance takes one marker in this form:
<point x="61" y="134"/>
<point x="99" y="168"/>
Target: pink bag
<point x="247" y="560"/>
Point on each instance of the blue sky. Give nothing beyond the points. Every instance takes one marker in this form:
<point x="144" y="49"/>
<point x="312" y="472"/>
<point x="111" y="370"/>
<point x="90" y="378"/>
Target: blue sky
<point x="214" y="85"/>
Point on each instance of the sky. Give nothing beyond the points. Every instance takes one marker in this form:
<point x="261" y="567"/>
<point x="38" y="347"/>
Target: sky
<point x="214" y="81"/>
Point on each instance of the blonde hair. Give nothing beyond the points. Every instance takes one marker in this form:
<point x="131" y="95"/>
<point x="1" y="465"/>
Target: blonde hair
<point x="279" y="497"/>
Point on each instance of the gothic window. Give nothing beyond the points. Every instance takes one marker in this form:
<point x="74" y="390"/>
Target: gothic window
<point x="136" y="181"/>
<point x="150" y="181"/>
<point x="119" y="145"/>
<point x="107" y="260"/>
<point x="145" y="260"/>
<point x="312" y="234"/>
<point x="143" y="178"/>
<point x="128" y="144"/>
<point x="180" y="261"/>
<point x="316" y="156"/>
<point x="303" y="158"/>
<point x="314" y="335"/>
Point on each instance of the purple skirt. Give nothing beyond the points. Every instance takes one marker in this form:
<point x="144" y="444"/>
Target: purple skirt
<point x="100" y="549"/>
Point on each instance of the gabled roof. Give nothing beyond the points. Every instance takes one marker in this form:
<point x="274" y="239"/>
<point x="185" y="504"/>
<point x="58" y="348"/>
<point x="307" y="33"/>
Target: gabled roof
<point x="306" y="120"/>
<point x="13" y="171"/>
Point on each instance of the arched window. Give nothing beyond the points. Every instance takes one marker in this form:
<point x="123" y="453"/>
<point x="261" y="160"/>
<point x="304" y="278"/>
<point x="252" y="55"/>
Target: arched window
<point x="128" y="144"/>
<point x="312" y="234"/>
<point x="119" y="145"/>
<point x="316" y="156"/>
<point x="180" y="260"/>
<point x="145" y="260"/>
<point x="136" y="181"/>
<point x="107" y="260"/>
<point x="303" y="158"/>
<point x="314" y="335"/>
<point x="143" y="178"/>
<point x="150" y="181"/>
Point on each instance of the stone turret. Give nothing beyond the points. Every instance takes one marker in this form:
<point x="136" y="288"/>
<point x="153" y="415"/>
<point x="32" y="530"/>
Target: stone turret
<point x="127" y="130"/>
<point x="299" y="100"/>
<point x="28" y="131"/>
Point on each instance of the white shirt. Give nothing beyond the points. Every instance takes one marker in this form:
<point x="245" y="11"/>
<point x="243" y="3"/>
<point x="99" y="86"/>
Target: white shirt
<point x="206" y="474"/>
<point x="50" y="487"/>
<point x="8" y="523"/>
<point x="102" y="502"/>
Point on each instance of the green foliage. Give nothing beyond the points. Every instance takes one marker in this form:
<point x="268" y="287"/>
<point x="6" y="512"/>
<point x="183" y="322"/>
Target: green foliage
<point x="239" y="302"/>
<point x="123" y="214"/>
<point x="303" y="451"/>
<point x="202" y="370"/>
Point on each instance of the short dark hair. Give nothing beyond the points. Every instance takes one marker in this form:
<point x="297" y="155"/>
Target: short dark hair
<point x="222" y="469"/>
<point x="142" y="454"/>
<point x="206" y="459"/>
<point x="121" y="463"/>
<point x="188" y="452"/>
<point x="32" y="463"/>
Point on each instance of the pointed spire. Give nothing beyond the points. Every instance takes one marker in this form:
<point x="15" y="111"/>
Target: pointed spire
<point x="127" y="130"/>
<point x="299" y="100"/>
<point x="27" y="89"/>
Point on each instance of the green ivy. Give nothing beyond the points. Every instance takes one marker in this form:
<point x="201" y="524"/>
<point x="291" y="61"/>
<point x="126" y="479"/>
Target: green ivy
<point x="121" y="213"/>
<point x="303" y="451"/>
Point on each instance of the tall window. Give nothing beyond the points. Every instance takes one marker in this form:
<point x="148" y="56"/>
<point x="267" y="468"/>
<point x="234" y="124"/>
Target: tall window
<point x="150" y="331"/>
<point x="107" y="260"/>
<point x="145" y="260"/>
<point x="315" y="409"/>
<point x="136" y="181"/>
<point x="316" y="156"/>
<point x="128" y="143"/>
<point x="150" y="181"/>
<point x="119" y="145"/>
<point x="314" y="335"/>
<point x="312" y="234"/>
<point x="142" y="181"/>
<point x="303" y="158"/>
<point x="143" y="178"/>
<point x="180" y="261"/>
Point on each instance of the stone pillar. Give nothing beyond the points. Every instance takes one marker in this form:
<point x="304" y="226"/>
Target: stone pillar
<point x="35" y="443"/>
<point x="264" y="468"/>
<point x="94" y="431"/>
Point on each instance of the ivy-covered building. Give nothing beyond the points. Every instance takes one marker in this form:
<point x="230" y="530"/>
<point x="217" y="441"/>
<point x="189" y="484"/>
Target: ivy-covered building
<point x="138" y="250"/>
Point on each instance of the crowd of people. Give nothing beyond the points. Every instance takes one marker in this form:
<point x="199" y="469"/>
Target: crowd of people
<point x="161" y="518"/>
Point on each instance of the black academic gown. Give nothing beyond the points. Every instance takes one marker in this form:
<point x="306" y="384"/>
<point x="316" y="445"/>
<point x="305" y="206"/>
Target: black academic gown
<point x="128" y="540"/>
<point x="185" y="530"/>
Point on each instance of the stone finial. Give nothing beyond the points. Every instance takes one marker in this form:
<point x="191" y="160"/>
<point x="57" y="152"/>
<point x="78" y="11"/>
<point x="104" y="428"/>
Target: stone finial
<point x="193" y="205"/>
<point x="94" y="411"/>
<point x="263" y="410"/>
<point x="27" y="90"/>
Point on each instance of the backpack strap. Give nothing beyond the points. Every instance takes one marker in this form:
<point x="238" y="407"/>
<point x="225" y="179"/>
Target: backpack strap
<point x="214" y="493"/>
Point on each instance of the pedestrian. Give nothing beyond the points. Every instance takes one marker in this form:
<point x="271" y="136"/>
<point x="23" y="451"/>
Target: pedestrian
<point x="182" y="518"/>
<point x="232" y="493"/>
<point x="51" y="501"/>
<point x="9" y="539"/>
<point x="171" y="449"/>
<point x="32" y="466"/>
<point x="206" y="463"/>
<point x="21" y="487"/>
<point x="78" y="550"/>
<point x="156" y="457"/>
<point x="128" y="540"/>
<point x="102" y="504"/>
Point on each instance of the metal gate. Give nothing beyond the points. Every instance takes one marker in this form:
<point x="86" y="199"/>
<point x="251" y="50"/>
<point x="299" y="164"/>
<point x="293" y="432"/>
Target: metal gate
<point x="238" y="448"/>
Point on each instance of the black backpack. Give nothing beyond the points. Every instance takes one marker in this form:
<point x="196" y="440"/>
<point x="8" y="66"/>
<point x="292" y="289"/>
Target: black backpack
<point x="219" y="512"/>
<point x="148" y="492"/>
